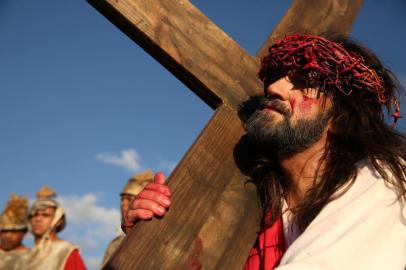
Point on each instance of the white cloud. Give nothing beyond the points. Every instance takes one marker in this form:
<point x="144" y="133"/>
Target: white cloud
<point x="89" y="226"/>
<point x="85" y="208"/>
<point x="128" y="159"/>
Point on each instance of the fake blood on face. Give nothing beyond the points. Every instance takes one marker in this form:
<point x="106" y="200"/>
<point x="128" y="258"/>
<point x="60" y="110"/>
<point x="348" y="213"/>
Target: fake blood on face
<point x="292" y="102"/>
<point x="306" y="105"/>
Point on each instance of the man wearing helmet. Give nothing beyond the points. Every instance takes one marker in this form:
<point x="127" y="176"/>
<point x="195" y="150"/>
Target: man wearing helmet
<point x="47" y="219"/>
<point x="134" y="185"/>
<point x="13" y="227"/>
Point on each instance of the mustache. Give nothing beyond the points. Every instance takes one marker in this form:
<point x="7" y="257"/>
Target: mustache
<point x="275" y="104"/>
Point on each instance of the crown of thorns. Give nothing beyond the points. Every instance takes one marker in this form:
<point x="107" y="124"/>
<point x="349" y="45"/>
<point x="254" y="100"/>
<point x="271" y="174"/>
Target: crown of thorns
<point x="327" y="64"/>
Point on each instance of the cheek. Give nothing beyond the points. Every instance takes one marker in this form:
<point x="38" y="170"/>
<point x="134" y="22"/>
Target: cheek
<point x="20" y="237"/>
<point x="15" y="238"/>
<point x="4" y="237"/>
<point x="306" y="105"/>
<point x="47" y="221"/>
<point x="124" y="205"/>
<point x="292" y="102"/>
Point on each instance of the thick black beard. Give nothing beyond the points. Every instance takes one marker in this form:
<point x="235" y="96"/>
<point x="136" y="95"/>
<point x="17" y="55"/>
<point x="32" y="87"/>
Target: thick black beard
<point x="285" y="138"/>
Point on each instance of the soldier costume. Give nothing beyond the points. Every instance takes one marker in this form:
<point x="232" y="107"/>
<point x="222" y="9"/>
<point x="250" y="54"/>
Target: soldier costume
<point x="134" y="185"/>
<point x="14" y="219"/>
<point x="49" y="253"/>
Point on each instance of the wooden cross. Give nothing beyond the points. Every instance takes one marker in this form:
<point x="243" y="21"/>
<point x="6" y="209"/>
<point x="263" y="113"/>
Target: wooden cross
<point x="214" y="216"/>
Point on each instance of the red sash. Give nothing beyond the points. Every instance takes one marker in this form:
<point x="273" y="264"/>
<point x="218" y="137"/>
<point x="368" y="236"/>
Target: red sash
<point x="268" y="249"/>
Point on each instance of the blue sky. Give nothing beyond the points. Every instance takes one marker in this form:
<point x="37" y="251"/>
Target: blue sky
<point x="82" y="107"/>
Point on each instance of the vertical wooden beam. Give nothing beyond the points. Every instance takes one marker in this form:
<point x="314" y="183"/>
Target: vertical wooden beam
<point x="214" y="216"/>
<point x="315" y="17"/>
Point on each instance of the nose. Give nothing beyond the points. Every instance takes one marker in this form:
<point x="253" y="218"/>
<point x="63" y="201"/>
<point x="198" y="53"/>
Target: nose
<point x="36" y="218"/>
<point x="279" y="89"/>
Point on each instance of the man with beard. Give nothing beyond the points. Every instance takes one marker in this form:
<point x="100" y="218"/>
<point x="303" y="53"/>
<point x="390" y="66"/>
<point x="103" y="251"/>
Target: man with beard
<point x="134" y="185"/>
<point x="13" y="227"/>
<point x="47" y="219"/>
<point x="330" y="171"/>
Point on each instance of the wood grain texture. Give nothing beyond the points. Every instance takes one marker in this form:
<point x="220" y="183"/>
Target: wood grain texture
<point x="214" y="214"/>
<point x="188" y="44"/>
<point x="315" y="17"/>
<point x="214" y="217"/>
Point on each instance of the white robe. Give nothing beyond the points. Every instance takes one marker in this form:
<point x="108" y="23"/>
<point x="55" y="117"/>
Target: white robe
<point x="363" y="229"/>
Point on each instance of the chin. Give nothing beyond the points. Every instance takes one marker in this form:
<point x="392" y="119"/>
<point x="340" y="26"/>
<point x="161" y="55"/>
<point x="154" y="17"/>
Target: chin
<point x="37" y="232"/>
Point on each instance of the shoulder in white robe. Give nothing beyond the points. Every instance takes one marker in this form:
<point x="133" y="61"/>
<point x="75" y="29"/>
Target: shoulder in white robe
<point x="365" y="228"/>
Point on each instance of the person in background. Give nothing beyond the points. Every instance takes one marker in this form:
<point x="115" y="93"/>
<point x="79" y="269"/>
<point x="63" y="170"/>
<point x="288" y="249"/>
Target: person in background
<point x="47" y="219"/>
<point x="134" y="185"/>
<point x="13" y="227"/>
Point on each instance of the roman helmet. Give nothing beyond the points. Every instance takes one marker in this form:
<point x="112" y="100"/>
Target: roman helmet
<point x="46" y="198"/>
<point x="15" y="214"/>
<point x="136" y="183"/>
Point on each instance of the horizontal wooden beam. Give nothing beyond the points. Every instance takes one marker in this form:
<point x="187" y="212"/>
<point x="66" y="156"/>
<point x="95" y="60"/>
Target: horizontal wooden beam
<point x="188" y="44"/>
<point x="214" y="216"/>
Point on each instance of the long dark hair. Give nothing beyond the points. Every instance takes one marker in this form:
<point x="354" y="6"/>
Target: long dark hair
<point x="359" y="131"/>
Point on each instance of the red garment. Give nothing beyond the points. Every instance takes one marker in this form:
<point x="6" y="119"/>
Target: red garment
<point x="270" y="240"/>
<point x="75" y="261"/>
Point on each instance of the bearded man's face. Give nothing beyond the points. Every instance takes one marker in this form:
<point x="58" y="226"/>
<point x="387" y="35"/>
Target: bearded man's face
<point x="289" y="120"/>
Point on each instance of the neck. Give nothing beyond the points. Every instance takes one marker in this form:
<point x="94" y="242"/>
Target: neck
<point x="19" y="247"/>
<point x="299" y="170"/>
<point x="52" y="237"/>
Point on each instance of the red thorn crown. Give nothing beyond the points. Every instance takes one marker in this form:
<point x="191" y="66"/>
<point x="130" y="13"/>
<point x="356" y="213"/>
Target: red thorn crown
<point x="326" y="64"/>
